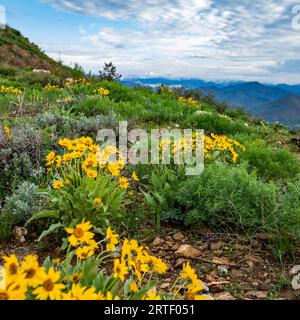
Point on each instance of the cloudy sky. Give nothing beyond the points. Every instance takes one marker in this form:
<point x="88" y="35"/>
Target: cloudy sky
<point x="208" y="39"/>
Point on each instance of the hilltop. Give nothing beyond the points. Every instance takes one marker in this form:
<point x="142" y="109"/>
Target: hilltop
<point x="17" y="53"/>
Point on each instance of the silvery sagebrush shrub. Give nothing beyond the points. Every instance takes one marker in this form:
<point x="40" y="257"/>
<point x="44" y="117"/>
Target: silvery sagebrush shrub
<point x="63" y="124"/>
<point x="19" y="156"/>
<point x="23" y="202"/>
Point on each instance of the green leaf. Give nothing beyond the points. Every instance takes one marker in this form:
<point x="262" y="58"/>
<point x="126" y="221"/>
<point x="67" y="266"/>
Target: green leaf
<point x="51" y="230"/>
<point x="98" y="282"/>
<point x="89" y="273"/>
<point x="149" y="199"/>
<point x="43" y="214"/>
<point x="145" y="289"/>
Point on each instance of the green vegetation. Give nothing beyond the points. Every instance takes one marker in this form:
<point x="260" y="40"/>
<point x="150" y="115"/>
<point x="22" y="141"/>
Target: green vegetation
<point x="254" y="189"/>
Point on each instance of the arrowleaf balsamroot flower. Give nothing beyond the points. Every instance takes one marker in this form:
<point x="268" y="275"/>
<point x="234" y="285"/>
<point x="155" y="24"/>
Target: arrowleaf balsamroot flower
<point x="97" y="201"/>
<point x="85" y="252"/>
<point x="11" y="293"/>
<point x="58" y="184"/>
<point x="63" y="281"/>
<point x="112" y="240"/>
<point x="49" y="285"/>
<point x="80" y="234"/>
<point x="124" y="183"/>
<point x="135" y="177"/>
<point x="120" y="269"/>
<point x="11" y="266"/>
<point x="31" y="271"/>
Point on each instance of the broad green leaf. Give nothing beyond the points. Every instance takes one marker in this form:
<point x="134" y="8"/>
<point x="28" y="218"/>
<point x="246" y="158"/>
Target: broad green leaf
<point x="43" y="214"/>
<point x="52" y="229"/>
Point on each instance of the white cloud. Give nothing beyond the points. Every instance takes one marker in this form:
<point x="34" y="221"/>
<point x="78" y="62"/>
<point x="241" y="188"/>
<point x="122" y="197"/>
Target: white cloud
<point x="197" y="38"/>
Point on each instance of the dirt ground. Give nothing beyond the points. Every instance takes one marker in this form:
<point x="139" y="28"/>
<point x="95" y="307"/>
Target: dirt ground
<point x="231" y="267"/>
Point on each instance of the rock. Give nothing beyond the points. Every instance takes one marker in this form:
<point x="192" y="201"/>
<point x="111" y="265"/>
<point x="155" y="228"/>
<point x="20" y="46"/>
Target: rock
<point x="214" y="273"/>
<point x="157" y="242"/>
<point x="175" y="247"/>
<point x="187" y="251"/>
<point x="237" y="274"/>
<point x="20" y="233"/>
<point x="169" y="244"/>
<point x="250" y="264"/>
<point x="224" y="296"/>
<point x="262" y="285"/>
<point x="209" y="279"/>
<point x="40" y="71"/>
<point x="71" y="80"/>
<point x="216" y="288"/>
<point x="253" y="260"/>
<point x="258" y="294"/>
<point x="295" y="270"/>
<point x="296" y="282"/>
<point x="164" y="286"/>
<point x="216" y="245"/>
<point x="221" y="279"/>
<point x="223" y="260"/>
<point x="179" y="236"/>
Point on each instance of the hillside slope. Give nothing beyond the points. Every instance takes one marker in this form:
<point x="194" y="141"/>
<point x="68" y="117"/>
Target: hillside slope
<point x="17" y="51"/>
<point x="285" y="110"/>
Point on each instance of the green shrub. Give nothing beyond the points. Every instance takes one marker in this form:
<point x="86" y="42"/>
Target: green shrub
<point x="8" y="71"/>
<point x="238" y="114"/>
<point x="42" y="78"/>
<point x="161" y="196"/>
<point x="18" y="157"/>
<point x="4" y="104"/>
<point x="92" y="106"/>
<point x="228" y="198"/>
<point x="216" y="123"/>
<point x="288" y="217"/>
<point x="6" y="225"/>
<point x="23" y="202"/>
<point x="269" y="164"/>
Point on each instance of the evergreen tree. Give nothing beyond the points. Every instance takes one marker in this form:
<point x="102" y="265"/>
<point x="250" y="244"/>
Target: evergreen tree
<point x="109" y="73"/>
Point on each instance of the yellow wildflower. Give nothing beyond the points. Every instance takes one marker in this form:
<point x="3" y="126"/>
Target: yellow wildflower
<point x="120" y="269"/>
<point x="112" y="240"/>
<point x="135" y="177"/>
<point x="123" y="182"/>
<point x="50" y="286"/>
<point x="58" y="184"/>
<point x="80" y="234"/>
<point x="97" y="201"/>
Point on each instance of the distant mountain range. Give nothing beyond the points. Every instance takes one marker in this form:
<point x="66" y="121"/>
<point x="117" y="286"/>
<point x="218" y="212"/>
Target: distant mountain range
<point x="248" y="95"/>
<point x="285" y="110"/>
<point x="274" y="103"/>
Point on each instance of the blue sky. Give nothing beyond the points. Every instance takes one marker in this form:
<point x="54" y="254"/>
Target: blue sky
<point x="208" y="39"/>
